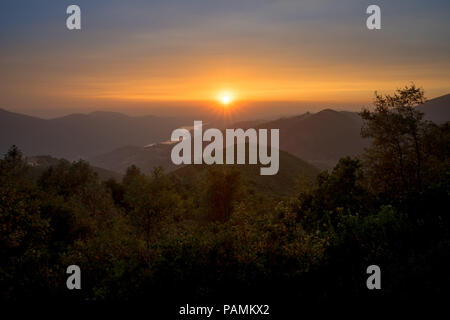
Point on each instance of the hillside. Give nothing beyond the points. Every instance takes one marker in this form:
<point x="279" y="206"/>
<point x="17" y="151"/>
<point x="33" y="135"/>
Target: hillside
<point x="320" y="138"/>
<point x="437" y="109"/>
<point x="145" y="158"/>
<point x="38" y="164"/>
<point x="324" y="137"/>
<point x="81" y="135"/>
<point x="294" y="173"/>
<point x="290" y="170"/>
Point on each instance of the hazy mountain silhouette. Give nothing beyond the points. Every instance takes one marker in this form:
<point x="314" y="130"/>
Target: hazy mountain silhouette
<point x="115" y="141"/>
<point x="150" y="157"/>
<point x="82" y="135"/>
<point x="323" y="138"/>
<point x="437" y="109"/>
<point x="320" y="138"/>
<point x="145" y="158"/>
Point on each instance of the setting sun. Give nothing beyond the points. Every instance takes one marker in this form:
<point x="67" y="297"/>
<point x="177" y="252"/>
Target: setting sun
<point x="226" y="98"/>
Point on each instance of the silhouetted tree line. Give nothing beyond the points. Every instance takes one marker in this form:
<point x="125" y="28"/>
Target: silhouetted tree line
<point x="158" y="236"/>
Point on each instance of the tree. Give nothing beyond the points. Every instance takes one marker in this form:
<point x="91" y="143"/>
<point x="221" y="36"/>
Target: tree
<point x="23" y="231"/>
<point x="396" y="157"/>
<point x="150" y="200"/>
<point x="222" y="191"/>
<point x="341" y="192"/>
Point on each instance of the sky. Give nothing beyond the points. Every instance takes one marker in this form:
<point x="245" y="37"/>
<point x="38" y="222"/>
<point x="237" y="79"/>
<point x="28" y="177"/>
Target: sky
<point x="171" y="56"/>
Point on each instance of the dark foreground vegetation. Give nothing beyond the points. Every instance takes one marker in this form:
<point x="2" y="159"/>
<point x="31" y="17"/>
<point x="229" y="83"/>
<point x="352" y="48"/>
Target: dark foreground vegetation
<point x="213" y="238"/>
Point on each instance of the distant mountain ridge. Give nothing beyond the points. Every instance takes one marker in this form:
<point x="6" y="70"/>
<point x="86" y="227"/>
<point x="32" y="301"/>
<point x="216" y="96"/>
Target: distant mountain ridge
<point x="115" y="141"/>
<point x="145" y="158"/>
<point x="321" y="138"/>
<point x="437" y="109"/>
<point x="82" y="135"/>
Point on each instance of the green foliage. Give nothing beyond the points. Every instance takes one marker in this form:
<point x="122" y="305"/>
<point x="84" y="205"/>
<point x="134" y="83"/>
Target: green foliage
<point x="401" y="156"/>
<point x="24" y="231"/>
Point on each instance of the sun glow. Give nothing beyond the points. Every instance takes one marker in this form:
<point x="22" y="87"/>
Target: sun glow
<point x="226" y="98"/>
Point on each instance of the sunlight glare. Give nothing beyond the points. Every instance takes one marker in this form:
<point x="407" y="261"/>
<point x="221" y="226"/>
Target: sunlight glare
<point x="226" y="98"/>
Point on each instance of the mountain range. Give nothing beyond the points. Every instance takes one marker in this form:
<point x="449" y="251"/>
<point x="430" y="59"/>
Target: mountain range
<point x="81" y="135"/>
<point x="115" y="141"/>
<point x="319" y="138"/>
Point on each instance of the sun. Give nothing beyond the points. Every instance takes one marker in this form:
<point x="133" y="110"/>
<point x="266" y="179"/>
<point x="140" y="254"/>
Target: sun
<point x="226" y="98"/>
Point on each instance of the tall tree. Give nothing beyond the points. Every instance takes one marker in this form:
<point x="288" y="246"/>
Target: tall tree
<point x="397" y="129"/>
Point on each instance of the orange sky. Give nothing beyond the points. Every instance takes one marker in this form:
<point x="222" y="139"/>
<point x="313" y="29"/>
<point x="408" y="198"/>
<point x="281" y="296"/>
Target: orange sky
<point x="135" y="56"/>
